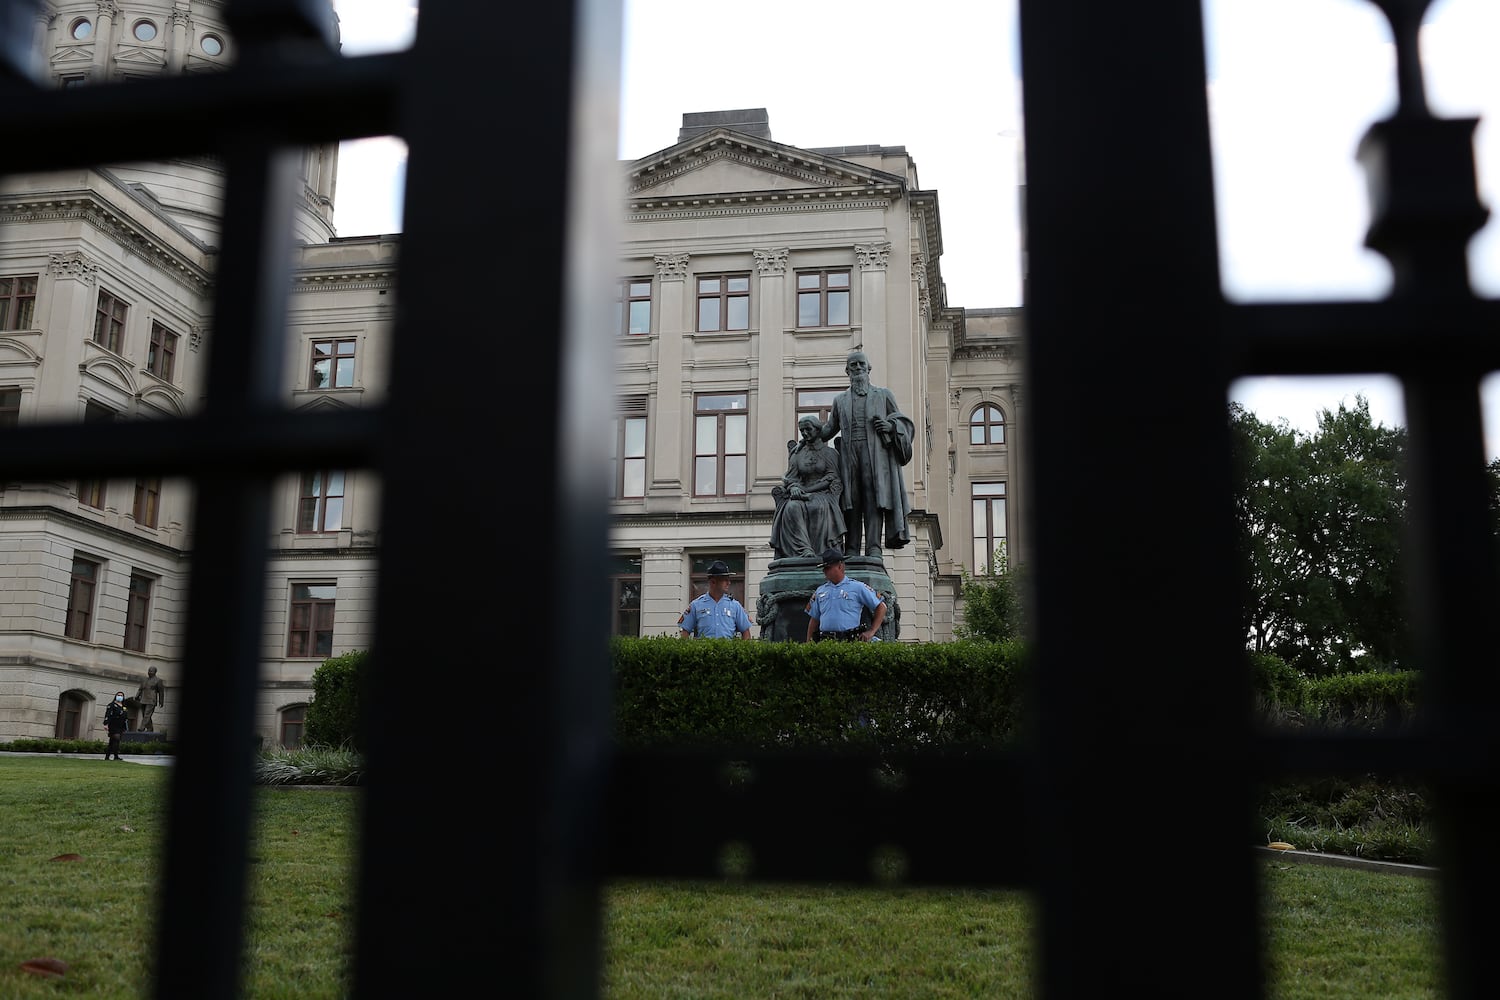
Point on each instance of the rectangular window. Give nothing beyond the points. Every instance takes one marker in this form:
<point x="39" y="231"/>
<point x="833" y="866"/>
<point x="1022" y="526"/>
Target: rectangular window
<point x="109" y="323"/>
<point x="626" y="577"/>
<point x="138" y="612"/>
<point x="310" y="624"/>
<point x="634" y="307"/>
<point x="721" y="424"/>
<point x="69" y="716"/>
<point x="823" y="298"/>
<point x="332" y="364"/>
<point x="10" y="406"/>
<point x="723" y="302"/>
<point x="17" y="303"/>
<point x="147" y="507"/>
<point x="91" y="492"/>
<point x="85" y="579"/>
<point x="989" y="526"/>
<point x="698" y="578"/>
<point x="628" y="451"/>
<point x="293" y="720"/>
<point x="161" y="359"/>
<point x="321" y="505"/>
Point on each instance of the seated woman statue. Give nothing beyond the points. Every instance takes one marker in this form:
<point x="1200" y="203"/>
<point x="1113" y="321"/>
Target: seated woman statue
<point x="809" y="517"/>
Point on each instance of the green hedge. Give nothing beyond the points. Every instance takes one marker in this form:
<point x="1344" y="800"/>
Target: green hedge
<point x="895" y="697"/>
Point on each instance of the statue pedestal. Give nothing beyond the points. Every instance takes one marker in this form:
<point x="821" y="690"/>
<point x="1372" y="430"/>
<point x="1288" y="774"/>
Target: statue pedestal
<point x="781" y="610"/>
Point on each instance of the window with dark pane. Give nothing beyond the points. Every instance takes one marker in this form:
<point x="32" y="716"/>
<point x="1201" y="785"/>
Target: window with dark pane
<point x="147" y="507"/>
<point x="320" y="507"/>
<point x="310" y="622"/>
<point x="723" y="302"/>
<point x="10" y="406"/>
<point x="161" y="358"/>
<point x="987" y="425"/>
<point x="84" y="581"/>
<point x="293" y="721"/>
<point x="823" y="298"/>
<point x="720" y="434"/>
<point x="69" y="715"/>
<point x="138" y="612"/>
<point x="109" y="322"/>
<point x="625" y="574"/>
<point x="17" y="302"/>
<point x="332" y="364"/>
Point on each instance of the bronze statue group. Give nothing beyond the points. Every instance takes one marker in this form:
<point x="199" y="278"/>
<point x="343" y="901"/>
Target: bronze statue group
<point x="851" y="497"/>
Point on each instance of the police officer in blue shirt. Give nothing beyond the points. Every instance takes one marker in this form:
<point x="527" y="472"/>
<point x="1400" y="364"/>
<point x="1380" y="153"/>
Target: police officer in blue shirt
<point x="838" y="604"/>
<point x="715" y="615"/>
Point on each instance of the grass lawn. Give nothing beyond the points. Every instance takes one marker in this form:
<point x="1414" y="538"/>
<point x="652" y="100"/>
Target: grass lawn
<point x="1332" y="932"/>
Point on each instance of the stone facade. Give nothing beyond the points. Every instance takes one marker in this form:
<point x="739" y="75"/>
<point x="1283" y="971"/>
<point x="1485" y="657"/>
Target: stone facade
<point x="118" y="324"/>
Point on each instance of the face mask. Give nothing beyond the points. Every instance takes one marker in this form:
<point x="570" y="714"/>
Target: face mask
<point x="119" y="697"/>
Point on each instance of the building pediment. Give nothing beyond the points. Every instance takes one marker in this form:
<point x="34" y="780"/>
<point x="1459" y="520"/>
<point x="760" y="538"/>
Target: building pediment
<point x="323" y="404"/>
<point x="723" y="162"/>
<point x="109" y="370"/>
<point x="15" y="352"/>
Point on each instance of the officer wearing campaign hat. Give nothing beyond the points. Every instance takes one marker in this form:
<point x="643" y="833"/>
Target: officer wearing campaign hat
<point x="839" y="602"/>
<point x="715" y="615"/>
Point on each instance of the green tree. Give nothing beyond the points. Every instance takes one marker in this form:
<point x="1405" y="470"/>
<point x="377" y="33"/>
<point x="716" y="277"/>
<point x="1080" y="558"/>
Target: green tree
<point x="1321" y="518"/>
<point x="994" y="607"/>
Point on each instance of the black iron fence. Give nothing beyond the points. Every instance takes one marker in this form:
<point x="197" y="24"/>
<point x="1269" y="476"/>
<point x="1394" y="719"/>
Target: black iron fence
<point x="494" y="870"/>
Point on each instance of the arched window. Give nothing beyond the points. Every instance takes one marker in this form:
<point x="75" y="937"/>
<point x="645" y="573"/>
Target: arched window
<point x="70" y="706"/>
<point x="986" y="425"/>
<point x="291" y="723"/>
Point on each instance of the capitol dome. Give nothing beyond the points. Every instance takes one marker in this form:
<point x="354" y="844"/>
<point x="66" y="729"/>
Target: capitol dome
<point x="85" y="42"/>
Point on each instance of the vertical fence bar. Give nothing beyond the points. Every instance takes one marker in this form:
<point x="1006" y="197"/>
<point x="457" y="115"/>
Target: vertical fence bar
<point x="480" y="836"/>
<point x="1123" y="305"/>
<point x="203" y="899"/>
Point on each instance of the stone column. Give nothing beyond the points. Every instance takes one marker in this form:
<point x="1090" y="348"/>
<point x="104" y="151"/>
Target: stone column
<point x="664" y="590"/>
<point x="44" y="39"/>
<point x="873" y="259"/>
<point x="72" y="283"/>
<point x="177" y="48"/>
<point x="771" y="420"/>
<point x="104" y="42"/>
<point x="668" y="424"/>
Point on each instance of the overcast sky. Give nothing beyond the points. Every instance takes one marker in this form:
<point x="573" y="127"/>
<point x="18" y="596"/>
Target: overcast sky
<point x="1293" y="84"/>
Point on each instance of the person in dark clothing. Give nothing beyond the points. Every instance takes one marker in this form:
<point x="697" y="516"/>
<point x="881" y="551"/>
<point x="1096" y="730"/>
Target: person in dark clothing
<point x="116" y="721"/>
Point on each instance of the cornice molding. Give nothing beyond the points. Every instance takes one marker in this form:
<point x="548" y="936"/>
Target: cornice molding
<point x="98" y="213"/>
<point x="752" y="203"/>
<point x="668" y="519"/>
<point x="115" y="536"/>
<point x="343" y="281"/>
<point x="988" y="352"/>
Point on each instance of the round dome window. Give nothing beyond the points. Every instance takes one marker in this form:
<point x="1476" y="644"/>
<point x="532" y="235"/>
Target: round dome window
<point x="212" y="45"/>
<point x="144" y="31"/>
<point x="82" y="28"/>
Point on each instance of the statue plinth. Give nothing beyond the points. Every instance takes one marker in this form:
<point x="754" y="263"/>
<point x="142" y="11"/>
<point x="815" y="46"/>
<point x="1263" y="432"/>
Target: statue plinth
<point x="781" y="610"/>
